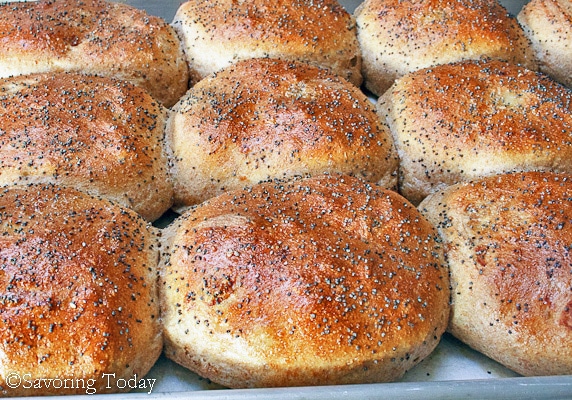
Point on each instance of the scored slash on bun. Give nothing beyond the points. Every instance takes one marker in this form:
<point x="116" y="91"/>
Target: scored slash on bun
<point x="324" y="280"/>
<point x="97" y="134"/>
<point x="261" y="119"/>
<point x="96" y="37"/>
<point x="548" y="25"/>
<point x="218" y="33"/>
<point x="456" y="122"/>
<point x="78" y="290"/>
<point x="508" y="250"/>
<point x="401" y="36"/>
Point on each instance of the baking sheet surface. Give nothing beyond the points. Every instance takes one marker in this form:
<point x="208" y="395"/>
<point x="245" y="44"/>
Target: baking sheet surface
<point x="452" y="371"/>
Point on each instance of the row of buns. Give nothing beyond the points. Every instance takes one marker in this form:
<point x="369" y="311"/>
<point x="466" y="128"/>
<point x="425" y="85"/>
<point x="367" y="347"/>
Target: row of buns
<point x="311" y="281"/>
<point x="265" y="119"/>
<point x="382" y="41"/>
<point x="289" y="281"/>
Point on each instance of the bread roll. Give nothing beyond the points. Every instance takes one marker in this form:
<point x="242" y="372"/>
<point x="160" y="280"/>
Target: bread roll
<point x="401" y="36"/>
<point x="95" y="37"/>
<point x="548" y="25"/>
<point x="507" y="241"/>
<point x="78" y="293"/>
<point x="218" y="33"/>
<point x="325" y="280"/>
<point x="261" y="119"/>
<point x="97" y="134"/>
<point x="456" y="122"/>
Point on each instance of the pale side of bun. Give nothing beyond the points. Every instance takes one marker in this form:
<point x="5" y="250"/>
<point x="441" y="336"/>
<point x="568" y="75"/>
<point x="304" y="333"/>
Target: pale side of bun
<point x="460" y="121"/>
<point x="548" y="25"/>
<point x="78" y="287"/>
<point x="218" y="33"/>
<point x="101" y="135"/>
<point x="95" y="37"/>
<point x="261" y="119"/>
<point x="325" y="280"/>
<point x="401" y="36"/>
<point x="507" y="241"/>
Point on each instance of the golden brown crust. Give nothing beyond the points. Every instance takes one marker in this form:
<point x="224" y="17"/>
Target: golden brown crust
<point x="97" y="134"/>
<point x="316" y="281"/>
<point x="456" y="122"/>
<point x="261" y="119"/>
<point x="218" y="33"/>
<point x="548" y="25"/>
<point x="397" y="37"/>
<point x="507" y="241"/>
<point x="96" y="37"/>
<point x="78" y="290"/>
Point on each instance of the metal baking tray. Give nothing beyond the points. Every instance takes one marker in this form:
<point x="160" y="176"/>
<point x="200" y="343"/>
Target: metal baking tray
<point x="452" y="371"/>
